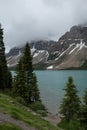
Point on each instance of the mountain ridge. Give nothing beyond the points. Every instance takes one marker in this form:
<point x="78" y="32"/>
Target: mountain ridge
<point x="70" y="51"/>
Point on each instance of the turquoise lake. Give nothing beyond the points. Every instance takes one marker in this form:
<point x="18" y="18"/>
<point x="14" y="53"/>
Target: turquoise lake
<point x="52" y="83"/>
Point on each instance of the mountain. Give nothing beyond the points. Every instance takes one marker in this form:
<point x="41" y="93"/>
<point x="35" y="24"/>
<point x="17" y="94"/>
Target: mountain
<point x="70" y="51"/>
<point x="40" y="51"/>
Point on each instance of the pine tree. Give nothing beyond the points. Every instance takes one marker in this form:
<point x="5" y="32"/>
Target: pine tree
<point x="3" y="64"/>
<point x="19" y="86"/>
<point x="35" y="90"/>
<point x="31" y="80"/>
<point x="25" y="81"/>
<point x="71" y="102"/>
<point x="9" y="80"/>
<point x="27" y="59"/>
<point x="83" y="114"/>
<point x="1" y="78"/>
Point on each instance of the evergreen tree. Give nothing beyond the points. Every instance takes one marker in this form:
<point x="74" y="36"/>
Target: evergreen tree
<point x="71" y="102"/>
<point x="35" y="91"/>
<point x="1" y="79"/>
<point x="20" y="85"/>
<point x="83" y="114"/>
<point x="9" y="80"/>
<point x="25" y="81"/>
<point x="27" y="59"/>
<point x="31" y="80"/>
<point x="3" y="64"/>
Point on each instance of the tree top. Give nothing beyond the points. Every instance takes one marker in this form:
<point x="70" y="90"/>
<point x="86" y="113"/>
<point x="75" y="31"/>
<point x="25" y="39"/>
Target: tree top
<point x="0" y="25"/>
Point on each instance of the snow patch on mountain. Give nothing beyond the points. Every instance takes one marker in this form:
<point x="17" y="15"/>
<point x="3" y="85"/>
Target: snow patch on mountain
<point x="74" y="49"/>
<point x="78" y="46"/>
<point x="50" y="67"/>
<point x="36" y="54"/>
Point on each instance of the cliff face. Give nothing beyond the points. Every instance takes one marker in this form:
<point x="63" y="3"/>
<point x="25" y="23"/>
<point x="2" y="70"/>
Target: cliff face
<point x="69" y="51"/>
<point x="74" y="45"/>
<point x="75" y="34"/>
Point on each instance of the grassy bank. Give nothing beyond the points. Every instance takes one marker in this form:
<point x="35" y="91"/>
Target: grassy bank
<point x="10" y="106"/>
<point x="8" y="126"/>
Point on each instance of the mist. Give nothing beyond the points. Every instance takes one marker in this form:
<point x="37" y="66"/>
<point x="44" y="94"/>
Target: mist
<point x="29" y="20"/>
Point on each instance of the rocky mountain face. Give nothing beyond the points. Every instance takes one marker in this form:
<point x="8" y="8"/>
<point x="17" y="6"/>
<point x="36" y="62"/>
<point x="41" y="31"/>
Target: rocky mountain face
<point x="70" y="51"/>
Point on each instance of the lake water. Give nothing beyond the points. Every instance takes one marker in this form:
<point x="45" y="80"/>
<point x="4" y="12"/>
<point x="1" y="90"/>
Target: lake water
<point x="51" y="84"/>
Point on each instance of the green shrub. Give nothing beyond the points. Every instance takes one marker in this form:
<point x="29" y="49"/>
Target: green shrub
<point x="72" y="125"/>
<point x="41" y="112"/>
<point x="21" y="100"/>
<point x="39" y="108"/>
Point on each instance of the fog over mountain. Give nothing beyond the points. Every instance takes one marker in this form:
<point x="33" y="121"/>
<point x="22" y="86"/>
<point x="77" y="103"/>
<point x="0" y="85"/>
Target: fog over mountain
<point x="26" y="20"/>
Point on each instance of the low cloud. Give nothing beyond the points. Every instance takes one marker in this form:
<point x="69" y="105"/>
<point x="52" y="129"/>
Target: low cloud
<point x="26" y="20"/>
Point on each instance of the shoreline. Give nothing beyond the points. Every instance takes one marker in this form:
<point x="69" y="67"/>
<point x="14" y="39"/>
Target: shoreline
<point x="53" y="119"/>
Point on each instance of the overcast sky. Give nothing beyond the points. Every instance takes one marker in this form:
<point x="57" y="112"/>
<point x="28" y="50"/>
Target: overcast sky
<point x="26" y="20"/>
